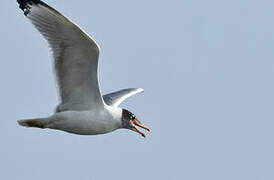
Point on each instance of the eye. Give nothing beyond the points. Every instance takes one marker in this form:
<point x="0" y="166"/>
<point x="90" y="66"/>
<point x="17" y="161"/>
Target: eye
<point x="132" y="117"/>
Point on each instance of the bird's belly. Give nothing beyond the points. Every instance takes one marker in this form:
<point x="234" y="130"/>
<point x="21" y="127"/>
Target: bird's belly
<point x="82" y="127"/>
<point x="83" y="123"/>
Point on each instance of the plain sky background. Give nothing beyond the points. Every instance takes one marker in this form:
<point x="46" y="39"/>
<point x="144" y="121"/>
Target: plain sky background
<point x="207" y="69"/>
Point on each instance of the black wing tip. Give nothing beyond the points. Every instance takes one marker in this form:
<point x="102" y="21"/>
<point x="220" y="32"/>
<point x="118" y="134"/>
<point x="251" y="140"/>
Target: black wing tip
<point x="24" y="5"/>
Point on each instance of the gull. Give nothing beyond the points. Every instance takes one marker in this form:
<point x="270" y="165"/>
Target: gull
<point x="82" y="109"/>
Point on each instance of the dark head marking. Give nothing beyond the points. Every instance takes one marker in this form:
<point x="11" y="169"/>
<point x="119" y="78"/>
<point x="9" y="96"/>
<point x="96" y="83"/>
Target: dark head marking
<point x="127" y="117"/>
<point x="130" y="121"/>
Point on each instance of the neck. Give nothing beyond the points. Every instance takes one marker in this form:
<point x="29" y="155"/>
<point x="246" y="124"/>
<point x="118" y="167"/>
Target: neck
<point x="116" y="114"/>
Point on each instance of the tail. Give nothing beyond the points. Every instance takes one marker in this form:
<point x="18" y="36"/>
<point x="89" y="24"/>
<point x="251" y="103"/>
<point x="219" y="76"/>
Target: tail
<point x="38" y="123"/>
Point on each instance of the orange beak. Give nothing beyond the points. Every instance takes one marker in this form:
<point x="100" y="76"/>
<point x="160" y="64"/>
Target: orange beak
<point x="135" y="123"/>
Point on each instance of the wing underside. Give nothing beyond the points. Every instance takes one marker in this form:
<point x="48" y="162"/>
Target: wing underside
<point x="75" y="56"/>
<point x="116" y="98"/>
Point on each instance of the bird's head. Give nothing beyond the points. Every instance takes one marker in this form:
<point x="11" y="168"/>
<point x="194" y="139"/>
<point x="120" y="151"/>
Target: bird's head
<point x="130" y="121"/>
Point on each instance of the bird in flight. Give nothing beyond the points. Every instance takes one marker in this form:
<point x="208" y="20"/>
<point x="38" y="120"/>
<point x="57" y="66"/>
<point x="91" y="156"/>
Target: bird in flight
<point x="82" y="110"/>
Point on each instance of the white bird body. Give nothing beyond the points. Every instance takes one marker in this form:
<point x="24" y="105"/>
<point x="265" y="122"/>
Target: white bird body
<point x="82" y="110"/>
<point x="92" y="122"/>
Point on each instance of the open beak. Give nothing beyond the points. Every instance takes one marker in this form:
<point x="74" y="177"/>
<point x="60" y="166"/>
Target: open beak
<point x="137" y="123"/>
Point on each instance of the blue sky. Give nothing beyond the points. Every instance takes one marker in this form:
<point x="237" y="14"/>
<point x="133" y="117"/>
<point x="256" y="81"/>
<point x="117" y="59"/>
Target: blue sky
<point x="207" y="69"/>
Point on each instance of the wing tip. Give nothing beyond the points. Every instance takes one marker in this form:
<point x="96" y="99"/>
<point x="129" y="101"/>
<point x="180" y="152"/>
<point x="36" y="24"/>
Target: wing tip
<point x="24" y="5"/>
<point x="135" y="90"/>
<point x="140" y="90"/>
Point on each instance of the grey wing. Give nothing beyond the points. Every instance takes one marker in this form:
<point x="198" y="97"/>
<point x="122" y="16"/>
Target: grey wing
<point x="75" y="56"/>
<point x="116" y="98"/>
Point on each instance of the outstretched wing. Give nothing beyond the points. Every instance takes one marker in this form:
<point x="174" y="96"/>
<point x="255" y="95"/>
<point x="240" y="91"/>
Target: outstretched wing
<point x="75" y="56"/>
<point x="116" y="98"/>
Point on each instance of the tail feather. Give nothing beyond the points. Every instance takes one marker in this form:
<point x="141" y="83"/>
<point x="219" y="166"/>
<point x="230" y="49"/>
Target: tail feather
<point x="32" y="123"/>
